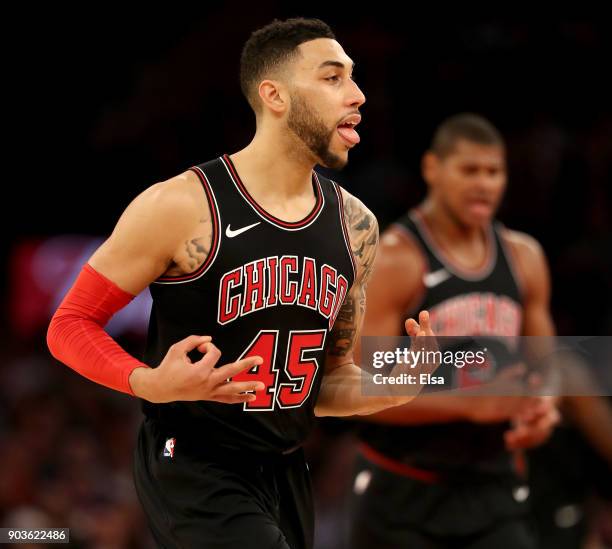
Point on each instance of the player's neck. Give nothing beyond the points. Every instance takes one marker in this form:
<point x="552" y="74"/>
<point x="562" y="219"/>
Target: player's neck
<point x="268" y="169"/>
<point x="446" y="227"/>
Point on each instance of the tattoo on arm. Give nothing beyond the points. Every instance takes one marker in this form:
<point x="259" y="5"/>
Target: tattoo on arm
<point x="363" y="233"/>
<point x="197" y="252"/>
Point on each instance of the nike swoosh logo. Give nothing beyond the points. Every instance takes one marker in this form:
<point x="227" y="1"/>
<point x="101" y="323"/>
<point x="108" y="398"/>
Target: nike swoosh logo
<point x="231" y="234"/>
<point x="437" y="277"/>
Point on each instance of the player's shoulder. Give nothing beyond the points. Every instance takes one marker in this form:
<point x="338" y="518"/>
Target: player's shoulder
<point x="179" y="196"/>
<point x="178" y="191"/>
<point x="523" y="245"/>
<point x="401" y="260"/>
<point x="530" y="260"/>
<point x="356" y="212"/>
<point x="167" y="210"/>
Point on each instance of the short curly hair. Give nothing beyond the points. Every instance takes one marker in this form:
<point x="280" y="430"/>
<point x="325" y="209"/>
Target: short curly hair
<point x="269" y="47"/>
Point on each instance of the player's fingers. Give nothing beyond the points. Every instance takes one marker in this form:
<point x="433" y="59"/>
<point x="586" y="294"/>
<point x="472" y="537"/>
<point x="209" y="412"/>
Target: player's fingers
<point x="235" y="399"/>
<point x="520" y="436"/>
<point x="424" y="322"/>
<point x="189" y="343"/>
<point x="412" y="327"/>
<point x="233" y="368"/>
<point x="528" y="435"/>
<point x="204" y="346"/>
<point x="237" y="387"/>
<point x="547" y="421"/>
<point x="513" y="440"/>
<point x="525" y="440"/>
<point x="211" y="355"/>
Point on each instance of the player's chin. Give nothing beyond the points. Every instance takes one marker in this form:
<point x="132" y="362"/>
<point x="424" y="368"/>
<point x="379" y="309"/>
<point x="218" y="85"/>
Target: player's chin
<point x="476" y="219"/>
<point x="341" y="151"/>
<point x="335" y="159"/>
<point x="334" y="164"/>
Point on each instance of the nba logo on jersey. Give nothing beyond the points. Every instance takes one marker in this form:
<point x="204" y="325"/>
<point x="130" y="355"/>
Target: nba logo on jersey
<point x="169" y="448"/>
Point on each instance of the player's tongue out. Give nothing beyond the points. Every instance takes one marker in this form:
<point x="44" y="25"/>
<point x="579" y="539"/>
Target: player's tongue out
<point x="348" y="132"/>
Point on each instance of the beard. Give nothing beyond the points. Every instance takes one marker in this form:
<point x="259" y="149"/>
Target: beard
<point x="308" y="126"/>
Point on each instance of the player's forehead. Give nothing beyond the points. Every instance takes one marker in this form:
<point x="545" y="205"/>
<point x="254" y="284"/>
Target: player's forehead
<point x="471" y="152"/>
<point x="321" y="52"/>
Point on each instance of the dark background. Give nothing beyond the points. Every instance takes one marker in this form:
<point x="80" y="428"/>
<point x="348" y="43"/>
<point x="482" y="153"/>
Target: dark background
<point x="101" y="104"/>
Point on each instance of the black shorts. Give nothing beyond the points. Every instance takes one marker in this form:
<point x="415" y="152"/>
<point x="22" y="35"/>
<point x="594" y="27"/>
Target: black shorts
<point x="393" y="511"/>
<point x="223" y="502"/>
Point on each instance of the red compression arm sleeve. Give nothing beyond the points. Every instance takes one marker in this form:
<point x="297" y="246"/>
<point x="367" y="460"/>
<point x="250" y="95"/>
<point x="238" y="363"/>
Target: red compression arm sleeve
<point x="76" y="336"/>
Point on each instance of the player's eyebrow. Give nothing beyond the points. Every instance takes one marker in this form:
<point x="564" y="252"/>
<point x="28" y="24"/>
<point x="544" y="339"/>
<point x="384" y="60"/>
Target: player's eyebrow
<point x="334" y="64"/>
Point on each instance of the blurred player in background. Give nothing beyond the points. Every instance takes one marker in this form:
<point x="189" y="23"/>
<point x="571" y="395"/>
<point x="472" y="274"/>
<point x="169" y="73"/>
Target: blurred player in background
<point x="447" y="470"/>
<point x="259" y="254"/>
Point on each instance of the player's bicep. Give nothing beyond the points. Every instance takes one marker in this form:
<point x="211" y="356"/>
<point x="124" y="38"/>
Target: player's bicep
<point x="535" y="280"/>
<point x="143" y="242"/>
<point x="363" y="238"/>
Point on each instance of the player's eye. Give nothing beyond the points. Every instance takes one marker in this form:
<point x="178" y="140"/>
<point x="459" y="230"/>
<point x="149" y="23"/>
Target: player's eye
<point x="334" y="78"/>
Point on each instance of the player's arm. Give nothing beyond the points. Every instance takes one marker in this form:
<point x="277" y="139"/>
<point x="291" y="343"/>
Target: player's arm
<point x="534" y="279"/>
<point x="589" y="413"/>
<point x="154" y="235"/>
<point x="340" y="393"/>
<point x="534" y="424"/>
<point x="395" y="287"/>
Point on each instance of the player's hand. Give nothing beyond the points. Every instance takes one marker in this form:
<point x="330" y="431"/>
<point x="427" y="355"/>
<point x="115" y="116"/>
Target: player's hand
<point x="423" y="339"/>
<point x="534" y="424"/>
<point x="178" y="378"/>
<point x="537" y="430"/>
<point x="421" y="328"/>
<point x="500" y="399"/>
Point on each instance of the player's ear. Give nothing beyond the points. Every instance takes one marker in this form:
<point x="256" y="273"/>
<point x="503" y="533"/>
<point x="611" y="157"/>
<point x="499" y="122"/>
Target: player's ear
<point x="429" y="167"/>
<point x="273" y="96"/>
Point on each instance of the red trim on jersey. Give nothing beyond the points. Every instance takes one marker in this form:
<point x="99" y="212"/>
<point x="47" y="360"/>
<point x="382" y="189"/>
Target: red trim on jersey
<point x="215" y="236"/>
<point x="347" y="240"/>
<point x="288" y="224"/>
<point x="398" y="467"/>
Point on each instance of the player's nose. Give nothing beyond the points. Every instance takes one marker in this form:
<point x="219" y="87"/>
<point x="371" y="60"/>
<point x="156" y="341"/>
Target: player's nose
<point x="356" y="97"/>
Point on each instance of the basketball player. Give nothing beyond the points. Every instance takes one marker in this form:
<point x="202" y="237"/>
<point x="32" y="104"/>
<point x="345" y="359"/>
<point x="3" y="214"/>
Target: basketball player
<point x="439" y="472"/>
<point x="255" y="257"/>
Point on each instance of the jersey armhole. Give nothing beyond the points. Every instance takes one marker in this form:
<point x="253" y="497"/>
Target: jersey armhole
<point x="345" y="234"/>
<point x="215" y="241"/>
<point x="511" y="259"/>
<point x="419" y="297"/>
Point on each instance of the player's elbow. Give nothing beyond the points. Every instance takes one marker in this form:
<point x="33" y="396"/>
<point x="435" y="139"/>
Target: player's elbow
<point x="62" y="329"/>
<point x="53" y="337"/>
<point x="324" y="409"/>
<point x="319" y="411"/>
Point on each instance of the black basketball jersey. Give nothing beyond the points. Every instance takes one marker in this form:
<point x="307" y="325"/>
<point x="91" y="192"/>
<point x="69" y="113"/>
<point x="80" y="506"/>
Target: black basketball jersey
<point x="485" y="303"/>
<point x="268" y="287"/>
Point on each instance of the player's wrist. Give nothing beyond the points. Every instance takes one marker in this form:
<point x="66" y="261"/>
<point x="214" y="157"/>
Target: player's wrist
<point x="142" y="380"/>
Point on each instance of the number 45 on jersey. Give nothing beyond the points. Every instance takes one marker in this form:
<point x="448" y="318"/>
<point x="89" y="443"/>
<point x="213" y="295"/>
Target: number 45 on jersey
<point x="301" y="371"/>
